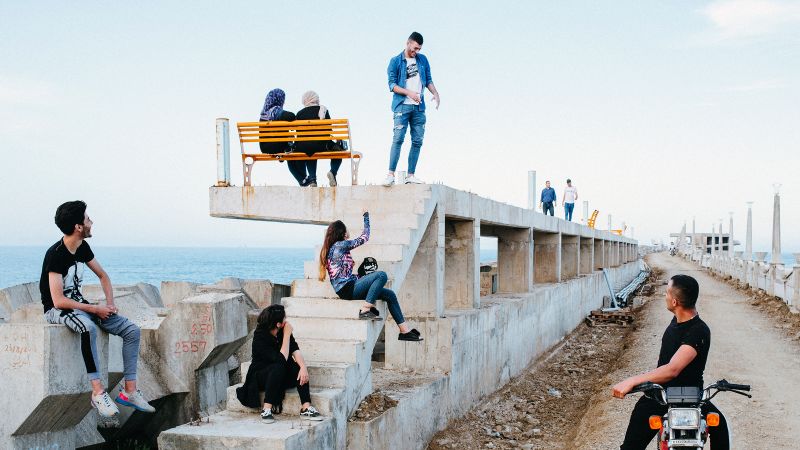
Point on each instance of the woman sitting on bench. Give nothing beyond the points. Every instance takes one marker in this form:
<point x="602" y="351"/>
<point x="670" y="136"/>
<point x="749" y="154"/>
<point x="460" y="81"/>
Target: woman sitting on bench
<point x="314" y="111"/>
<point x="336" y="262"/>
<point x="277" y="365"/>
<point x="273" y="111"/>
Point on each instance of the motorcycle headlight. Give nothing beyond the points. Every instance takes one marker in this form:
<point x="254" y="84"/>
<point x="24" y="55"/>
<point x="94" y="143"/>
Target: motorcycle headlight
<point x="684" y="418"/>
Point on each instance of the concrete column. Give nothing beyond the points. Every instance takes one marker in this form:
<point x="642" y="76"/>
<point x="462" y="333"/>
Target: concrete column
<point x="609" y="260"/>
<point x="532" y="189"/>
<point x="422" y="294"/>
<point x="620" y="260"/>
<point x="694" y="235"/>
<point x="776" y="228"/>
<point x="609" y="222"/>
<point x="223" y="153"/>
<point x="585" y="219"/>
<point x="570" y="256"/>
<point x="460" y="270"/>
<point x="748" y="249"/>
<point x="599" y="254"/>
<point x="547" y="257"/>
<point x="730" y="236"/>
<point x="514" y="260"/>
<point x="587" y="256"/>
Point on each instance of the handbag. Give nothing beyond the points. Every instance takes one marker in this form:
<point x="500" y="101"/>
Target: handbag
<point x="367" y="266"/>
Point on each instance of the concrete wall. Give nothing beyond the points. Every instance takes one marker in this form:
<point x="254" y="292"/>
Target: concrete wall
<point x="478" y="351"/>
<point x="547" y="257"/>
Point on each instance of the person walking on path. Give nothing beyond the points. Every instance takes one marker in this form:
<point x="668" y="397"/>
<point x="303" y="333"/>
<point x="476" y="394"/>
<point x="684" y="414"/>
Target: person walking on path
<point x="276" y="366"/>
<point x="409" y="74"/>
<point x="568" y="200"/>
<point x="681" y="362"/>
<point x="548" y="199"/>
<point x="60" y="288"/>
<point x="337" y="263"/>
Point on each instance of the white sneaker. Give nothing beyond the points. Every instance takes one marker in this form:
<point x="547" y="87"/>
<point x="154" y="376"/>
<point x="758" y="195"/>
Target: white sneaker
<point x="135" y="400"/>
<point x="388" y="181"/>
<point x="411" y="179"/>
<point x="105" y="407"/>
<point x="311" y="413"/>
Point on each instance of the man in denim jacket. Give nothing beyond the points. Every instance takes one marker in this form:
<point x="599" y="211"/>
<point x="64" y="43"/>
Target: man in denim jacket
<point x="409" y="74"/>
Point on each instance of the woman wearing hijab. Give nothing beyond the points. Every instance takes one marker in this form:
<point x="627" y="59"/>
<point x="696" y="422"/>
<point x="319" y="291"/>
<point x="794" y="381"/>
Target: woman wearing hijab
<point x="314" y="111"/>
<point x="276" y="366"/>
<point x="273" y="111"/>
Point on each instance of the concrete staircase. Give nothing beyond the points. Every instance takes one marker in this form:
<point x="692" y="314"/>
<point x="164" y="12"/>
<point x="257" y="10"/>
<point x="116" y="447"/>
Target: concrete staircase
<point x="336" y="345"/>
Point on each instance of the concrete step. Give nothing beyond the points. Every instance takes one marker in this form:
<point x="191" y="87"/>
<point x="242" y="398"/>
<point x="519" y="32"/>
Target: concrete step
<point x="311" y="268"/>
<point x="322" y="374"/>
<point x="242" y="430"/>
<point x="313" y="288"/>
<point x="379" y="221"/>
<point x="334" y="350"/>
<point x="381" y="252"/>
<point x="326" y="307"/>
<point x="328" y="328"/>
<point x="326" y="400"/>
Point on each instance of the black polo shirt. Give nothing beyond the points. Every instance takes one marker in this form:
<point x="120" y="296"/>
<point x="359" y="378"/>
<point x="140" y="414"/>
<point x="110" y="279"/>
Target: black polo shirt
<point x="693" y="332"/>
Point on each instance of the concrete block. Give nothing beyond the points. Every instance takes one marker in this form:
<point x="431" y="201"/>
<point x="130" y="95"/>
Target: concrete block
<point x="334" y="350"/>
<point x="14" y="297"/>
<point x="326" y="308"/>
<point x="314" y="288"/>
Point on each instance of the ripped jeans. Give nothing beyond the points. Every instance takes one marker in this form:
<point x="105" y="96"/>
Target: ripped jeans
<point x="404" y="116"/>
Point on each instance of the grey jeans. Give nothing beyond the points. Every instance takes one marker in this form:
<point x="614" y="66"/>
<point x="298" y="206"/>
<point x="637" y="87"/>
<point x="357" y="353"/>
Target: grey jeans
<point x="86" y="325"/>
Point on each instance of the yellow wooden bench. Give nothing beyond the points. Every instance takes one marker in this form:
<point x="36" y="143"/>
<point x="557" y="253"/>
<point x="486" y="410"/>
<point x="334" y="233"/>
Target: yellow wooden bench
<point x="297" y="131"/>
<point x="593" y="219"/>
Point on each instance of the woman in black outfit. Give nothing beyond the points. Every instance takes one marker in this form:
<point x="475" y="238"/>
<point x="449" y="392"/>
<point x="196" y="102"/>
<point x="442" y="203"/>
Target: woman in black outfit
<point x="273" y="111"/>
<point x="276" y="366"/>
<point x="314" y="111"/>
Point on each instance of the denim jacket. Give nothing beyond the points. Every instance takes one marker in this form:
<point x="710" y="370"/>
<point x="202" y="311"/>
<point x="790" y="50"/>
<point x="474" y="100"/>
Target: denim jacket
<point x="397" y="77"/>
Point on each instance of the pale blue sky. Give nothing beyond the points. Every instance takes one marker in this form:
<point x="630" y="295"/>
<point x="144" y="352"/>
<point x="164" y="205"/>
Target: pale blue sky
<point x="657" y="110"/>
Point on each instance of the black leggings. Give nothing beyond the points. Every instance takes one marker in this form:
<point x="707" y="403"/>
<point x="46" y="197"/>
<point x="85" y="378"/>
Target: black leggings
<point x="276" y="378"/>
<point x="639" y="433"/>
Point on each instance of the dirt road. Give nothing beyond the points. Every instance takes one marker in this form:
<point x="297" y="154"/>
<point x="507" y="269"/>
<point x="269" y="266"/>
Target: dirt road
<point x="746" y="347"/>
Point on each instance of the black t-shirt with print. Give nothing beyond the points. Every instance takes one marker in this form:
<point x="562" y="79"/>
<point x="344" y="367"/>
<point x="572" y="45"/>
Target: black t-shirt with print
<point x="59" y="260"/>
<point x="693" y="332"/>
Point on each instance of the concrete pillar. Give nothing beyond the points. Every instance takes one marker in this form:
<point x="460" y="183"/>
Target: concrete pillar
<point x="585" y="219"/>
<point x="460" y="269"/>
<point x="514" y="260"/>
<point x="609" y="260"/>
<point x="570" y="256"/>
<point x="223" y="153"/>
<point x="546" y="257"/>
<point x="599" y="254"/>
<point x="422" y="294"/>
<point x="748" y="249"/>
<point x="587" y="256"/>
<point x="776" y="228"/>
<point x="609" y="222"/>
<point x="694" y="235"/>
<point x="730" y="236"/>
<point x="532" y="189"/>
<point x="620" y="260"/>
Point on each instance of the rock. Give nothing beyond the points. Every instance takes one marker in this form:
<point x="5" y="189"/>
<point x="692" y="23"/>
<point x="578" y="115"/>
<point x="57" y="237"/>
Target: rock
<point x="489" y="445"/>
<point x="526" y="446"/>
<point x="553" y="392"/>
<point x="443" y="442"/>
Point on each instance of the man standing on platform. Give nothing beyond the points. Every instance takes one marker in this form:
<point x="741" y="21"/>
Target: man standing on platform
<point x="548" y="199"/>
<point x="409" y="74"/>
<point x="568" y="200"/>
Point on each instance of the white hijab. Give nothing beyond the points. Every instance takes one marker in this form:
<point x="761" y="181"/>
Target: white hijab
<point x="311" y="98"/>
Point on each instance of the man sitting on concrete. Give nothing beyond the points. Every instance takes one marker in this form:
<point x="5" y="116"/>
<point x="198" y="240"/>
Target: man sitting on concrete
<point x="60" y="287"/>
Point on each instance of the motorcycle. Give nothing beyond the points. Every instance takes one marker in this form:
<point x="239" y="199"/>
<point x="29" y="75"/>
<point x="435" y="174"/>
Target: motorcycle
<point x="683" y="426"/>
<point x="672" y="252"/>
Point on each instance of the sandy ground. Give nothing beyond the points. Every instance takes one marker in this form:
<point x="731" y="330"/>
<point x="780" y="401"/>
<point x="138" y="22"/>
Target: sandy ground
<point x="748" y="345"/>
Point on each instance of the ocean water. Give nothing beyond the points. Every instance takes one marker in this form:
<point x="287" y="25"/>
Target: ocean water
<point x="129" y="265"/>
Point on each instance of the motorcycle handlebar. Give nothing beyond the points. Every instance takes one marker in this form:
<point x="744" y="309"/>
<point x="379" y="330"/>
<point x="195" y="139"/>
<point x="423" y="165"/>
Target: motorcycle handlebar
<point x="725" y="386"/>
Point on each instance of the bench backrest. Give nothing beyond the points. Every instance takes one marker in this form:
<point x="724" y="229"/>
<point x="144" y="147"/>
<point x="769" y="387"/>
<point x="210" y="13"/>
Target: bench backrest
<point x="296" y="131"/>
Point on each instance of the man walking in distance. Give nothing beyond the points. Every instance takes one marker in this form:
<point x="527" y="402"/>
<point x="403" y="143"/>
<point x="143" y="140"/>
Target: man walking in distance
<point x="681" y="362"/>
<point x="60" y="287"/>
<point x="548" y="199"/>
<point x="409" y="74"/>
<point x="568" y="200"/>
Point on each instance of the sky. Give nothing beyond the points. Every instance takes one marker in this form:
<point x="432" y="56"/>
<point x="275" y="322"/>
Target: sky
<point x="658" y="111"/>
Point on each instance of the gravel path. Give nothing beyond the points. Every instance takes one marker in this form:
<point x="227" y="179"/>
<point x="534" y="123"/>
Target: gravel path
<point x="747" y="347"/>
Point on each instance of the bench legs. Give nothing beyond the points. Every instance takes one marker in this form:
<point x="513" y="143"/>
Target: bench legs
<point x="354" y="162"/>
<point x="247" y="170"/>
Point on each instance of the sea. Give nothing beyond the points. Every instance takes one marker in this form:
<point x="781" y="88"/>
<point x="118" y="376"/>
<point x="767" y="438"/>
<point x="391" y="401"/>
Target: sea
<point x="152" y="265"/>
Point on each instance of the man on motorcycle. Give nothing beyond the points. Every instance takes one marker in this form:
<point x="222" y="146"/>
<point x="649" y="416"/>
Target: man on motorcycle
<point x="681" y="362"/>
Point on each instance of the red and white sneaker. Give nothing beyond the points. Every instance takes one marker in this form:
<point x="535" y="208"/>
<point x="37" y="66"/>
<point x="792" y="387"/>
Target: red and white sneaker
<point x="135" y="400"/>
